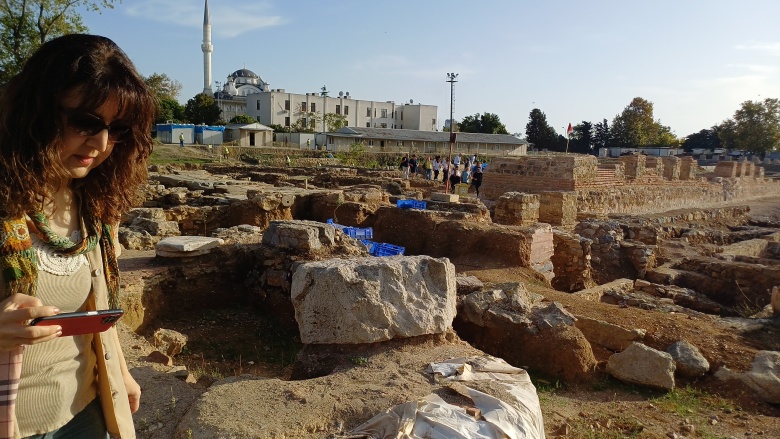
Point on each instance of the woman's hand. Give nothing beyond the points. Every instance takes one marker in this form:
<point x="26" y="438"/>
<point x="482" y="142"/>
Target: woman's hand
<point x="15" y="312"/>
<point x="133" y="391"/>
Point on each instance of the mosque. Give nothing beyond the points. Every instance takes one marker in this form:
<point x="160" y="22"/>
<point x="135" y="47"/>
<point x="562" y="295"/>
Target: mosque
<point x="244" y="92"/>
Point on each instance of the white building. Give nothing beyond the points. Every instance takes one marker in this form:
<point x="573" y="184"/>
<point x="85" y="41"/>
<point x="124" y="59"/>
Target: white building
<point x="277" y="107"/>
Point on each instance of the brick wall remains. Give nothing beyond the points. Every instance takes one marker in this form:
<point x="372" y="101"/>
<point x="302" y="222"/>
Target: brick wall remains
<point x="726" y="169"/>
<point x="534" y="174"/>
<point x="445" y="234"/>
<point x="671" y="168"/>
<point x="558" y="208"/>
<point x="634" y="165"/>
<point x="517" y="209"/>
<point x="687" y="168"/>
<point x="571" y="262"/>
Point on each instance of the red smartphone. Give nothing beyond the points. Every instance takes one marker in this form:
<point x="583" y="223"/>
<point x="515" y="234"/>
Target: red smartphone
<point x="84" y="322"/>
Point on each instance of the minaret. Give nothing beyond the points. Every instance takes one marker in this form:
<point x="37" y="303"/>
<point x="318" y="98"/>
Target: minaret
<point x="207" y="49"/>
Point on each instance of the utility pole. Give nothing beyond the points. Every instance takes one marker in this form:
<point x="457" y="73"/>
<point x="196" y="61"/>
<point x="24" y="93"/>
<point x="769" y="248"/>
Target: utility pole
<point x="452" y="78"/>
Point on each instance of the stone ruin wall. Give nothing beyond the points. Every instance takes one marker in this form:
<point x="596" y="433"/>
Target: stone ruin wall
<point x="634" y="184"/>
<point x="538" y="174"/>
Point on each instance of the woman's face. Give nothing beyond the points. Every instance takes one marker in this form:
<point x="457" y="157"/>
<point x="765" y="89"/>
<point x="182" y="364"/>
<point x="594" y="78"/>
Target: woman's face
<point x="89" y="137"/>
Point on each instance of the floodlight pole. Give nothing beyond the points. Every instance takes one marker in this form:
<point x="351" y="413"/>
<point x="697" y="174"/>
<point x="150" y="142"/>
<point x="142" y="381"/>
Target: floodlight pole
<point x="452" y="78"/>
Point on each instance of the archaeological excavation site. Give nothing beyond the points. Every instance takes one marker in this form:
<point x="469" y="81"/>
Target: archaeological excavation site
<point x="576" y="297"/>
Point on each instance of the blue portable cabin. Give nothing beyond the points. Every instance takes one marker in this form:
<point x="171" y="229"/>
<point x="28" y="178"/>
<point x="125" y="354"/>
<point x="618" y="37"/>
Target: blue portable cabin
<point x="209" y="135"/>
<point x="169" y="132"/>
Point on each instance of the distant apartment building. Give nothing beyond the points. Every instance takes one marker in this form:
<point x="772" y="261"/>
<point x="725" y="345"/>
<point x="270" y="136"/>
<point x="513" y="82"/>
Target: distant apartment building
<point x="277" y="107"/>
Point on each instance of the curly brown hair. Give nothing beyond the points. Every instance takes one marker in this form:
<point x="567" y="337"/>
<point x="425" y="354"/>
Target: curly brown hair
<point x="31" y="129"/>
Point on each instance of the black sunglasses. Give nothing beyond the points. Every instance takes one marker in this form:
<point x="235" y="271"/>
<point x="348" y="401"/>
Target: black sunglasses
<point x="87" y="124"/>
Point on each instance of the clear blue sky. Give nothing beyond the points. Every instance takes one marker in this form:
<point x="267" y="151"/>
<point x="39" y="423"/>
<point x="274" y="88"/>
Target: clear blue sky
<point x="696" y="60"/>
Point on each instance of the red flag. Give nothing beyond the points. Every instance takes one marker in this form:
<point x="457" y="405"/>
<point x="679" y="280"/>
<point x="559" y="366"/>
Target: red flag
<point x="569" y="130"/>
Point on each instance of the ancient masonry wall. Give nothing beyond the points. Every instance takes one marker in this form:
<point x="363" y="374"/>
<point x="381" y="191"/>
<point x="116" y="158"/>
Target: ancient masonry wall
<point x="571" y="260"/>
<point x="633" y="184"/>
<point x="538" y="174"/>
<point x="517" y="209"/>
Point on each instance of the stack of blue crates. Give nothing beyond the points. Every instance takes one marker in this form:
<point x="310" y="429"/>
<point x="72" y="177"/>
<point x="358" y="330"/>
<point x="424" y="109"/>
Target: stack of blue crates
<point x="411" y="204"/>
<point x="366" y="234"/>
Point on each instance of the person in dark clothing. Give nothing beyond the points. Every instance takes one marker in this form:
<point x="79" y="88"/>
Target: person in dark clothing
<point x="413" y="165"/>
<point x="405" y="166"/>
<point x="454" y="179"/>
<point x="476" y="177"/>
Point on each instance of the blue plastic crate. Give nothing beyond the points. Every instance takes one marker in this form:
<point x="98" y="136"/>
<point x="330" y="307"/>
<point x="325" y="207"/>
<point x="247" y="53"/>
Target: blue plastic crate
<point x="411" y="204"/>
<point x="384" y="249"/>
<point x="338" y="226"/>
<point x="359" y="233"/>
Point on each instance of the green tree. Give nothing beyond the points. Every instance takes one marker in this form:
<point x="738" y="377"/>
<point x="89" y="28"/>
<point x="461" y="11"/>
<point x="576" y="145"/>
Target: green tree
<point x="635" y="127"/>
<point x="278" y="128"/>
<point x="704" y="139"/>
<point x="163" y="86"/>
<point x="539" y="132"/>
<point x="242" y="118"/>
<point x="169" y="110"/>
<point x="26" y="24"/>
<point x="487" y="123"/>
<point x="755" y="127"/>
<point x="334" y="122"/>
<point x="602" y="137"/>
<point x="581" y="138"/>
<point x="202" y="109"/>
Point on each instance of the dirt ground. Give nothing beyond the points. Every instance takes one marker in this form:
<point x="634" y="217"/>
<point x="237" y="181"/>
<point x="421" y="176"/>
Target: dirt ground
<point x="605" y="408"/>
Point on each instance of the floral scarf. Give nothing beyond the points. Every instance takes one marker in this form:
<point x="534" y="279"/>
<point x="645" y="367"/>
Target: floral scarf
<point x="19" y="269"/>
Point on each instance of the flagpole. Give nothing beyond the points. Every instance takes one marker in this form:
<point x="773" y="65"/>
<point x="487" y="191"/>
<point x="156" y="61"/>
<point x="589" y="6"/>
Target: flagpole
<point x="567" y="143"/>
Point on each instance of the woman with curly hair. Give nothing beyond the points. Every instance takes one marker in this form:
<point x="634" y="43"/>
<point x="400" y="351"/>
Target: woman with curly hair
<point x="74" y="139"/>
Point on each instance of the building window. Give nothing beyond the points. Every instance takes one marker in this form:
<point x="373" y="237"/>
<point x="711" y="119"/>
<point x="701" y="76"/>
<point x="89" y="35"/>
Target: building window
<point x="258" y="104"/>
<point x="313" y="107"/>
<point x="258" y="119"/>
<point x="402" y="115"/>
<point x="287" y="105"/>
<point x="368" y="112"/>
<point x="303" y="107"/>
<point x="287" y="121"/>
<point x="400" y="143"/>
<point x="338" y="109"/>
<point x="374" y="112"/>
<point x="381" y="143"/>
<point x="384" y="112"/>
<point x="383" y="125"/>
<point x="433" y="122"/>
<point x="368" y="124"/>
<point x="370" y="143"/>
<point x="304" y="122"/>
<point x="346" y="110"/>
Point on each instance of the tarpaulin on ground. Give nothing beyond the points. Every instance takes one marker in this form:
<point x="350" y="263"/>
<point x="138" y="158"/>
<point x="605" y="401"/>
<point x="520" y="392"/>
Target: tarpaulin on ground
<point x="431" y="417"/>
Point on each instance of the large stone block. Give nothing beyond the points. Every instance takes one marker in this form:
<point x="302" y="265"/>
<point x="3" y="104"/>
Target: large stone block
<point x="640" y="364"/>
<point x="300" y="235"/>
<point x="366" y="300"/>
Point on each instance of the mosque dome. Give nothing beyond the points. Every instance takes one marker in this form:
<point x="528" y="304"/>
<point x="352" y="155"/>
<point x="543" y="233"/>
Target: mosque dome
<point x="244" y="73"/>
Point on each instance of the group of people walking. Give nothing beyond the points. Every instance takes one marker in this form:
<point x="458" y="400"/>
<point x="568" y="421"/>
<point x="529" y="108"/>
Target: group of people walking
<point x="452" y="172"/>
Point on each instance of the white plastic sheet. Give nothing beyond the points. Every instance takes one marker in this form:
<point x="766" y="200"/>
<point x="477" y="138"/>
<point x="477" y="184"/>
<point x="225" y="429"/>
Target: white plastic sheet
<point x="434" y="418"/>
